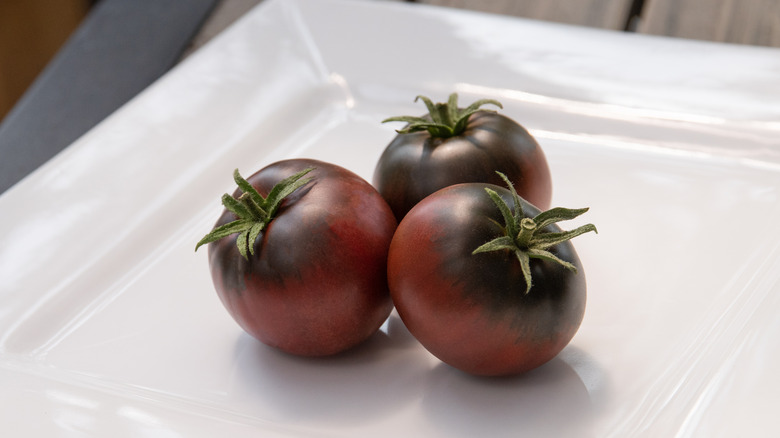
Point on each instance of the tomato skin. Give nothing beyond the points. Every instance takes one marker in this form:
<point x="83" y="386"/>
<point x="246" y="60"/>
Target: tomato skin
<point x="471" y="311"/>
<point x="317" y="283"/>
<point x="414" y="165"/>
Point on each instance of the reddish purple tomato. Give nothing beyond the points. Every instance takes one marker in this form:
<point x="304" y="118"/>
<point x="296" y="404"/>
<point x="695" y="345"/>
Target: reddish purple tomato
<point x="452" y="145"/>
<point x="313" y="281"/>
<point x="474" y="310"/>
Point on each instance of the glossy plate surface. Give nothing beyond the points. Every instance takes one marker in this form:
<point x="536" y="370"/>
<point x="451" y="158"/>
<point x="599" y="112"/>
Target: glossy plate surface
<point x="109" y="325"/>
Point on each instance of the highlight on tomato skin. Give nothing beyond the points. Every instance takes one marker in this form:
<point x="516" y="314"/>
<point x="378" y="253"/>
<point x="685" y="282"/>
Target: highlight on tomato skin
<point x="462" y="290"/>
<point x="452" y="145"/>
<point x="312" y="281"/>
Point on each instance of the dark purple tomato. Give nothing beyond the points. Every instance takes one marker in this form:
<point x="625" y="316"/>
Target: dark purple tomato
<point x="439" y="150"/>
<point x="476" y="311"/>
<point x="312" y="281"/>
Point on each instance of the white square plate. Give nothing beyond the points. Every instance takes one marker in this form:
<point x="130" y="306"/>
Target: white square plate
<point x="109" y="325"/>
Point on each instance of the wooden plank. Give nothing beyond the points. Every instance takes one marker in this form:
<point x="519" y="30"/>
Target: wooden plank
<point x="755" y="22"/>
<point x="31" y="32"/>
<point x="608" y="14"/>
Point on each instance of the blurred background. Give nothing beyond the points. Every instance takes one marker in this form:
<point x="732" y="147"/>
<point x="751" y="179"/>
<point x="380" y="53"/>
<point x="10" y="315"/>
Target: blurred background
<point x="66" y="64"/>
<point x="31" y="31"/>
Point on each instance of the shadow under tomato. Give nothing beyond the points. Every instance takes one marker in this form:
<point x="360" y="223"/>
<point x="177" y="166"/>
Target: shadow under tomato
<point x="550" y="401"/>
<point x="372" y="380"/>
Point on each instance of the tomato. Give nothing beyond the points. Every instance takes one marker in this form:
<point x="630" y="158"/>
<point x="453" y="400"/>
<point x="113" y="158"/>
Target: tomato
<point x="486" y="287"/>
<point x="313" y="280"/>
<point x="452" y="145"/>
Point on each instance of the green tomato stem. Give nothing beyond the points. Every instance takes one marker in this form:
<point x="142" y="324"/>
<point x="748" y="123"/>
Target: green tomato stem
<point x="253" y="212"/>
<point x="526" y="237"/>
<point x="444" y="119"/>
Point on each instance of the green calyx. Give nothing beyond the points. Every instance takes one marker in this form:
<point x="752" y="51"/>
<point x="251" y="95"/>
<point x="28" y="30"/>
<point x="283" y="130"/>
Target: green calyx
<point x="526" y="237"/>
<point x="446" y="119"/>
<point x="253" y="211"/>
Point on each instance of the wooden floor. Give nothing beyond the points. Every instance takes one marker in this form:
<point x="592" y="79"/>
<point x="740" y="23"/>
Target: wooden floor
<point x="752" y="22"/>
<point x="608" y="14"/>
